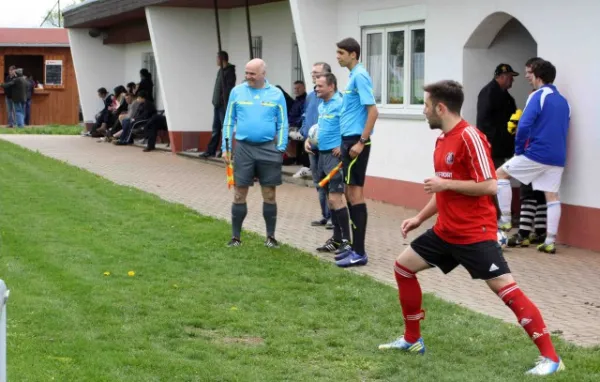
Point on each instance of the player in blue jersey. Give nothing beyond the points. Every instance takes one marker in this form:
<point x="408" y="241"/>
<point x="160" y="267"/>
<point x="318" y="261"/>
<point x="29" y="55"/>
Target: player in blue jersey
<point x="359" y="113"/>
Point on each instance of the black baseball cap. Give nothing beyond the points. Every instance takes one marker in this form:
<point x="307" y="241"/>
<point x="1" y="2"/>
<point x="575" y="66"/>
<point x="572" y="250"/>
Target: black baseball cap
<point x="504" y="68"/>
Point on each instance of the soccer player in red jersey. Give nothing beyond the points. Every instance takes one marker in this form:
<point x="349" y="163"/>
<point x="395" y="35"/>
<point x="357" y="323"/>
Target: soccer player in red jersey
<point x="465" y="232"/>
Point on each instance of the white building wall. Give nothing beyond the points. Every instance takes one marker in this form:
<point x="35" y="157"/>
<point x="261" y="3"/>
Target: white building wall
<point x="96" y="66"/>
<point x="403" y="148"/>
<point x="185" y="46"/>
<point x="134" y="59"/>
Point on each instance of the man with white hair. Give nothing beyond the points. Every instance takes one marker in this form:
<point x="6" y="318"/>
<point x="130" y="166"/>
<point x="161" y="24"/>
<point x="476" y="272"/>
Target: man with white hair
<point x="259" y="113"/>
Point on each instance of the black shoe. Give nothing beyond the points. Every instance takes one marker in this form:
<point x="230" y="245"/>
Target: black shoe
<point x="329" y="246"/>
<point x="147" y="149"/>
<point x="235" y="242"/>
<point x="319" y="223"/>
<point x="344" y="247"/>
<point x="271" y="242"/>
<point x="206" y="154"/>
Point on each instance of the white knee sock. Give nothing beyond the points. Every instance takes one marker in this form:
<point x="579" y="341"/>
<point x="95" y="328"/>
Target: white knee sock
<point x="553" y="216"/>
<point x="505" y="199"/>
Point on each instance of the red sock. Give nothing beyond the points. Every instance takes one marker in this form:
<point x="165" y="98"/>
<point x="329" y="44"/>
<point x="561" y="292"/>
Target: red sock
<point x="411" y="298"/>
<point x="530" y="319"/>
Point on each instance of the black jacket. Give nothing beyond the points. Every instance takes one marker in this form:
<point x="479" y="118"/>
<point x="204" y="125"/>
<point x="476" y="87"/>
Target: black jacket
<point x="147" y="86"/>
<point x="494" y="108"/>
<point x="145" y="110"/>
<point x="17" y="89"/>
<point x="229" y="83"/>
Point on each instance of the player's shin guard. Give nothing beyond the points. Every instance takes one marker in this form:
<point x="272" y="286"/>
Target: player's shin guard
<point x="505" y="199"/>
<point x="530" y="319"/>
<point x="411" y="299"/>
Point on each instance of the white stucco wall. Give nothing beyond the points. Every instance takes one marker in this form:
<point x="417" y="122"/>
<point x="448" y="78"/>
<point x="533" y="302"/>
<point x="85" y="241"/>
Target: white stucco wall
<point x="96" y="66"/>
<point x="134" y="58"/>
<point x="403" y="148"/>
<point x="185" y="46"/>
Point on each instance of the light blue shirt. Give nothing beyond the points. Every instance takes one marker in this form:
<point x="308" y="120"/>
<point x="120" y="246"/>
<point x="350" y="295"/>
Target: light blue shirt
<point x="259" y="115"/>
<point x="357" y="96"/>
<point x="329" y="123"/>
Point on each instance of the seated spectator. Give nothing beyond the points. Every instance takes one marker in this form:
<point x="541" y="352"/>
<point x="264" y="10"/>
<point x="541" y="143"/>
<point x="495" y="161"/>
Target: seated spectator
<point x="145" y="110"/>
<point x="131" y="87"/>
<point x="146" y="85"/>
<point x="295" y="114"/>
<point x="103" y="118"/>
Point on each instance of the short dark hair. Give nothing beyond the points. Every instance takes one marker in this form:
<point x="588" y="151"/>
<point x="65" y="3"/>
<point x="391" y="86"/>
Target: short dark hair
<point x="350" y="45"/>
<point x="533" y="61"/>
<point x="330" y="79"/>
<point x="131" y="85"/>
<point x="142" y="94"/>
<point x="223" y="55"/>
<point x="145" y="73"/>
<point x="103" y="91"/>
<point x="545" y="71"/>
<point x="326" y="66"/>
<point x="299" y="83"/>
<point x="448" y="92"/>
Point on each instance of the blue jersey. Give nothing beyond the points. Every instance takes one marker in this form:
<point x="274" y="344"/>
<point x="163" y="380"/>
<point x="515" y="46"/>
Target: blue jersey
<point x="542" y="130"/>
<point x="259" y="115"/>
<point x="357" y="96"/>
<point x="329" y="123"/>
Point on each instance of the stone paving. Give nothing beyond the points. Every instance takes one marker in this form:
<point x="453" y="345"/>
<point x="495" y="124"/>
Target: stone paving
<point x="566" y="286"/>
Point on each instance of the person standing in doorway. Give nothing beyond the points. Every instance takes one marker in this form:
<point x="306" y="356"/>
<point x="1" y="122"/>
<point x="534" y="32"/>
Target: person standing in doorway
<point x="10" y="107"/>
<point x="359" y="113"/>
<point x="258" y="111"/>
<point x="223" y="85"/>
<point x="18" y="92"/>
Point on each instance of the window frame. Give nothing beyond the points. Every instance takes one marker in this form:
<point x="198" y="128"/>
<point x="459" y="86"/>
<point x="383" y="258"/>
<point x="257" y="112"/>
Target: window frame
<point x="407" y="107"/>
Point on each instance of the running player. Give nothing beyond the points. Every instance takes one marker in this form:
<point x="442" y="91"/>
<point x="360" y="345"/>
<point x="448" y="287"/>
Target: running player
<point x="465" y="231"/>
<point x="359" y="114"/>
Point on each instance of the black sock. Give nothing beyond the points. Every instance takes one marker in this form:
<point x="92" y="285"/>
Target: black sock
<point x="351" y="221"/>
<point x="359" y="218"/>
<point x="270" y="215"/>
<point x="238" y="214"/>
<point x="343" y="220"/>
<point x="337" y="230"/>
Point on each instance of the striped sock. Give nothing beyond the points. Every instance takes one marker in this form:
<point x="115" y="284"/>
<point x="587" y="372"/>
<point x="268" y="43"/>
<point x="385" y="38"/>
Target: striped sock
<point x="411" y="299"/>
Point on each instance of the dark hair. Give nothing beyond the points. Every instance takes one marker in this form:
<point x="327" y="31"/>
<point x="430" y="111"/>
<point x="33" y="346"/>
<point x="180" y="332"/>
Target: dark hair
<point x="326" y="66"/>
<point x="131" y="85"/>
<point x="129" y="94"/>
<point x="448" y="92"/>
<point x="145" y="73"/>
<point x="103" y="91"/>
<point x="350" y="45"/>
<point x="142" y="94"/>
<point x="533" y="61"/>
<point x="223" y="55"/>
<point x="119" y="90"/>
<point x="545" y="71"/>
<point x="299" y="82"/>
<point x="330" y="79"/>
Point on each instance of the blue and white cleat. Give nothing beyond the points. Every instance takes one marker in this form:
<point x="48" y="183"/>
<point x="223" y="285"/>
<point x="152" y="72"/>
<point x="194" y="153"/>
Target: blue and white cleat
<point x="352" y="259"/>
<point x="546" y="366"/>
<point x="401" y="344"/>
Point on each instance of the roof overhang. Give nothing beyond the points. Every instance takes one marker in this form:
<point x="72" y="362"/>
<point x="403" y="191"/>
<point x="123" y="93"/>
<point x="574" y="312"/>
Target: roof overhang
<point x="34" y="45"/>
<point x="106" y="13"/>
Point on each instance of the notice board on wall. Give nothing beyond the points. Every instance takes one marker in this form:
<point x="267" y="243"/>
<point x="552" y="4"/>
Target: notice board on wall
<point x="53" y="72"/>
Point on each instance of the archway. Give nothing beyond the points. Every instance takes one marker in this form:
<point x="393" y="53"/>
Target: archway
<point x="499" y="38"/>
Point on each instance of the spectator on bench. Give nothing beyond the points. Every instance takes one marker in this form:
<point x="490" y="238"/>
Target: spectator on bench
<point x="144" y="112"/>
<point x="156" y="123"/>
<point x="103" y="117"/>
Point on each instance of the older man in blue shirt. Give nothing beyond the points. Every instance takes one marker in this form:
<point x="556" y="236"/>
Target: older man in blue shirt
<point x="259" y="113"/>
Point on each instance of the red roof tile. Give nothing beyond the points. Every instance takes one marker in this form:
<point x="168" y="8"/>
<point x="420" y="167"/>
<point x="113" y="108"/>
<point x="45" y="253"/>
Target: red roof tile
<point x="33" y="36"/>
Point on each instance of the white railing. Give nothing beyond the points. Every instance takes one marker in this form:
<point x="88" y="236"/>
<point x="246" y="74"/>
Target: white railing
<point x="4" y="292"/>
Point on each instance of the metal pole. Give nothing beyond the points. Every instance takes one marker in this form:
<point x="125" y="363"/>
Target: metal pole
<point x="249" y="31"/>
<point x="4" y="292"/>
<point x="59" y="16"/>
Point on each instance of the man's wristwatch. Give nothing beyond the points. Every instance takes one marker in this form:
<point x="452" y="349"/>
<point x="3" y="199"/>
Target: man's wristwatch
<point x="363" y="140"/>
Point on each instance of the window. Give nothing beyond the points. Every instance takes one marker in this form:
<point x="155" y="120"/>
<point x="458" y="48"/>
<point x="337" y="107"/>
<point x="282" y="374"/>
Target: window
<point x="297" y="74"/>
<point x="395" y="58"/>
<point x="257" y="46"/>
<point x="31" y="65"/>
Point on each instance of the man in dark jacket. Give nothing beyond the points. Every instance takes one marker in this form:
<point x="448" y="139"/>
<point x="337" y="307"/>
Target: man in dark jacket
<point x="145" y="111"/>
<point x="10" y="107"/>
<point x="18" y="94"/>
<point x="495" y="105"/>
<point x="223" y="85"/>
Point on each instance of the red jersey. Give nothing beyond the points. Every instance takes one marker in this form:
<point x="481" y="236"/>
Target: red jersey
<point x="464" y="154"/>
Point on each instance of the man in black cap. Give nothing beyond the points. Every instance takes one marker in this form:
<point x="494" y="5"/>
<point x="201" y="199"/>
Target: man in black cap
<point x="495" y="105"/>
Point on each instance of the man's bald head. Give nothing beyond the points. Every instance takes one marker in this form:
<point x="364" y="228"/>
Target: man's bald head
<point x="255" y="73"/>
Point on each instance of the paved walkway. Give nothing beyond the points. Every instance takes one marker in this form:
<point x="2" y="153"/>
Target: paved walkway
<point x="566" y="287"/>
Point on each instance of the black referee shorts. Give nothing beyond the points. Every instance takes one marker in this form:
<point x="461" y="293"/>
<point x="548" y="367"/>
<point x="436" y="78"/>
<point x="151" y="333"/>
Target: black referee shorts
<point x="355" y="169"/>
<point x="483" y="260"/>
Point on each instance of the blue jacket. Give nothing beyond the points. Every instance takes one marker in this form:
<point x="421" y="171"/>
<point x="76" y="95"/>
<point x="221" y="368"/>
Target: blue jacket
<point x="542" y="130"/>
<point x="297" y="111"/>
<point x="311" y="113"/>
<point x="259" y="115"/>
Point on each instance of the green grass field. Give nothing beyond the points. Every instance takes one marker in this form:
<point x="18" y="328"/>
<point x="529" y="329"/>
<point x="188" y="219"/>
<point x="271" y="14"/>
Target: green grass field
<point x="198" y="311"/>
<point x="45" y="130"/>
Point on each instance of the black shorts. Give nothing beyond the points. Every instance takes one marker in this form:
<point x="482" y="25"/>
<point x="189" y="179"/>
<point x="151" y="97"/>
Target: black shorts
<point x="260" y="160"/>
<point x="355" y="169"/>
<point x="482" y="260"/>
<point x="327" y="162"/>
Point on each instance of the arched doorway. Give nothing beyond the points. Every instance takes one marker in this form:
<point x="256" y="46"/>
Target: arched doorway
<point x="499" y="38"/>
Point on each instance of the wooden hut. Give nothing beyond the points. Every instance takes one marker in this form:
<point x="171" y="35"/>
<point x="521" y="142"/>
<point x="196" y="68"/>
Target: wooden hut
<point x="43" y="53"/>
